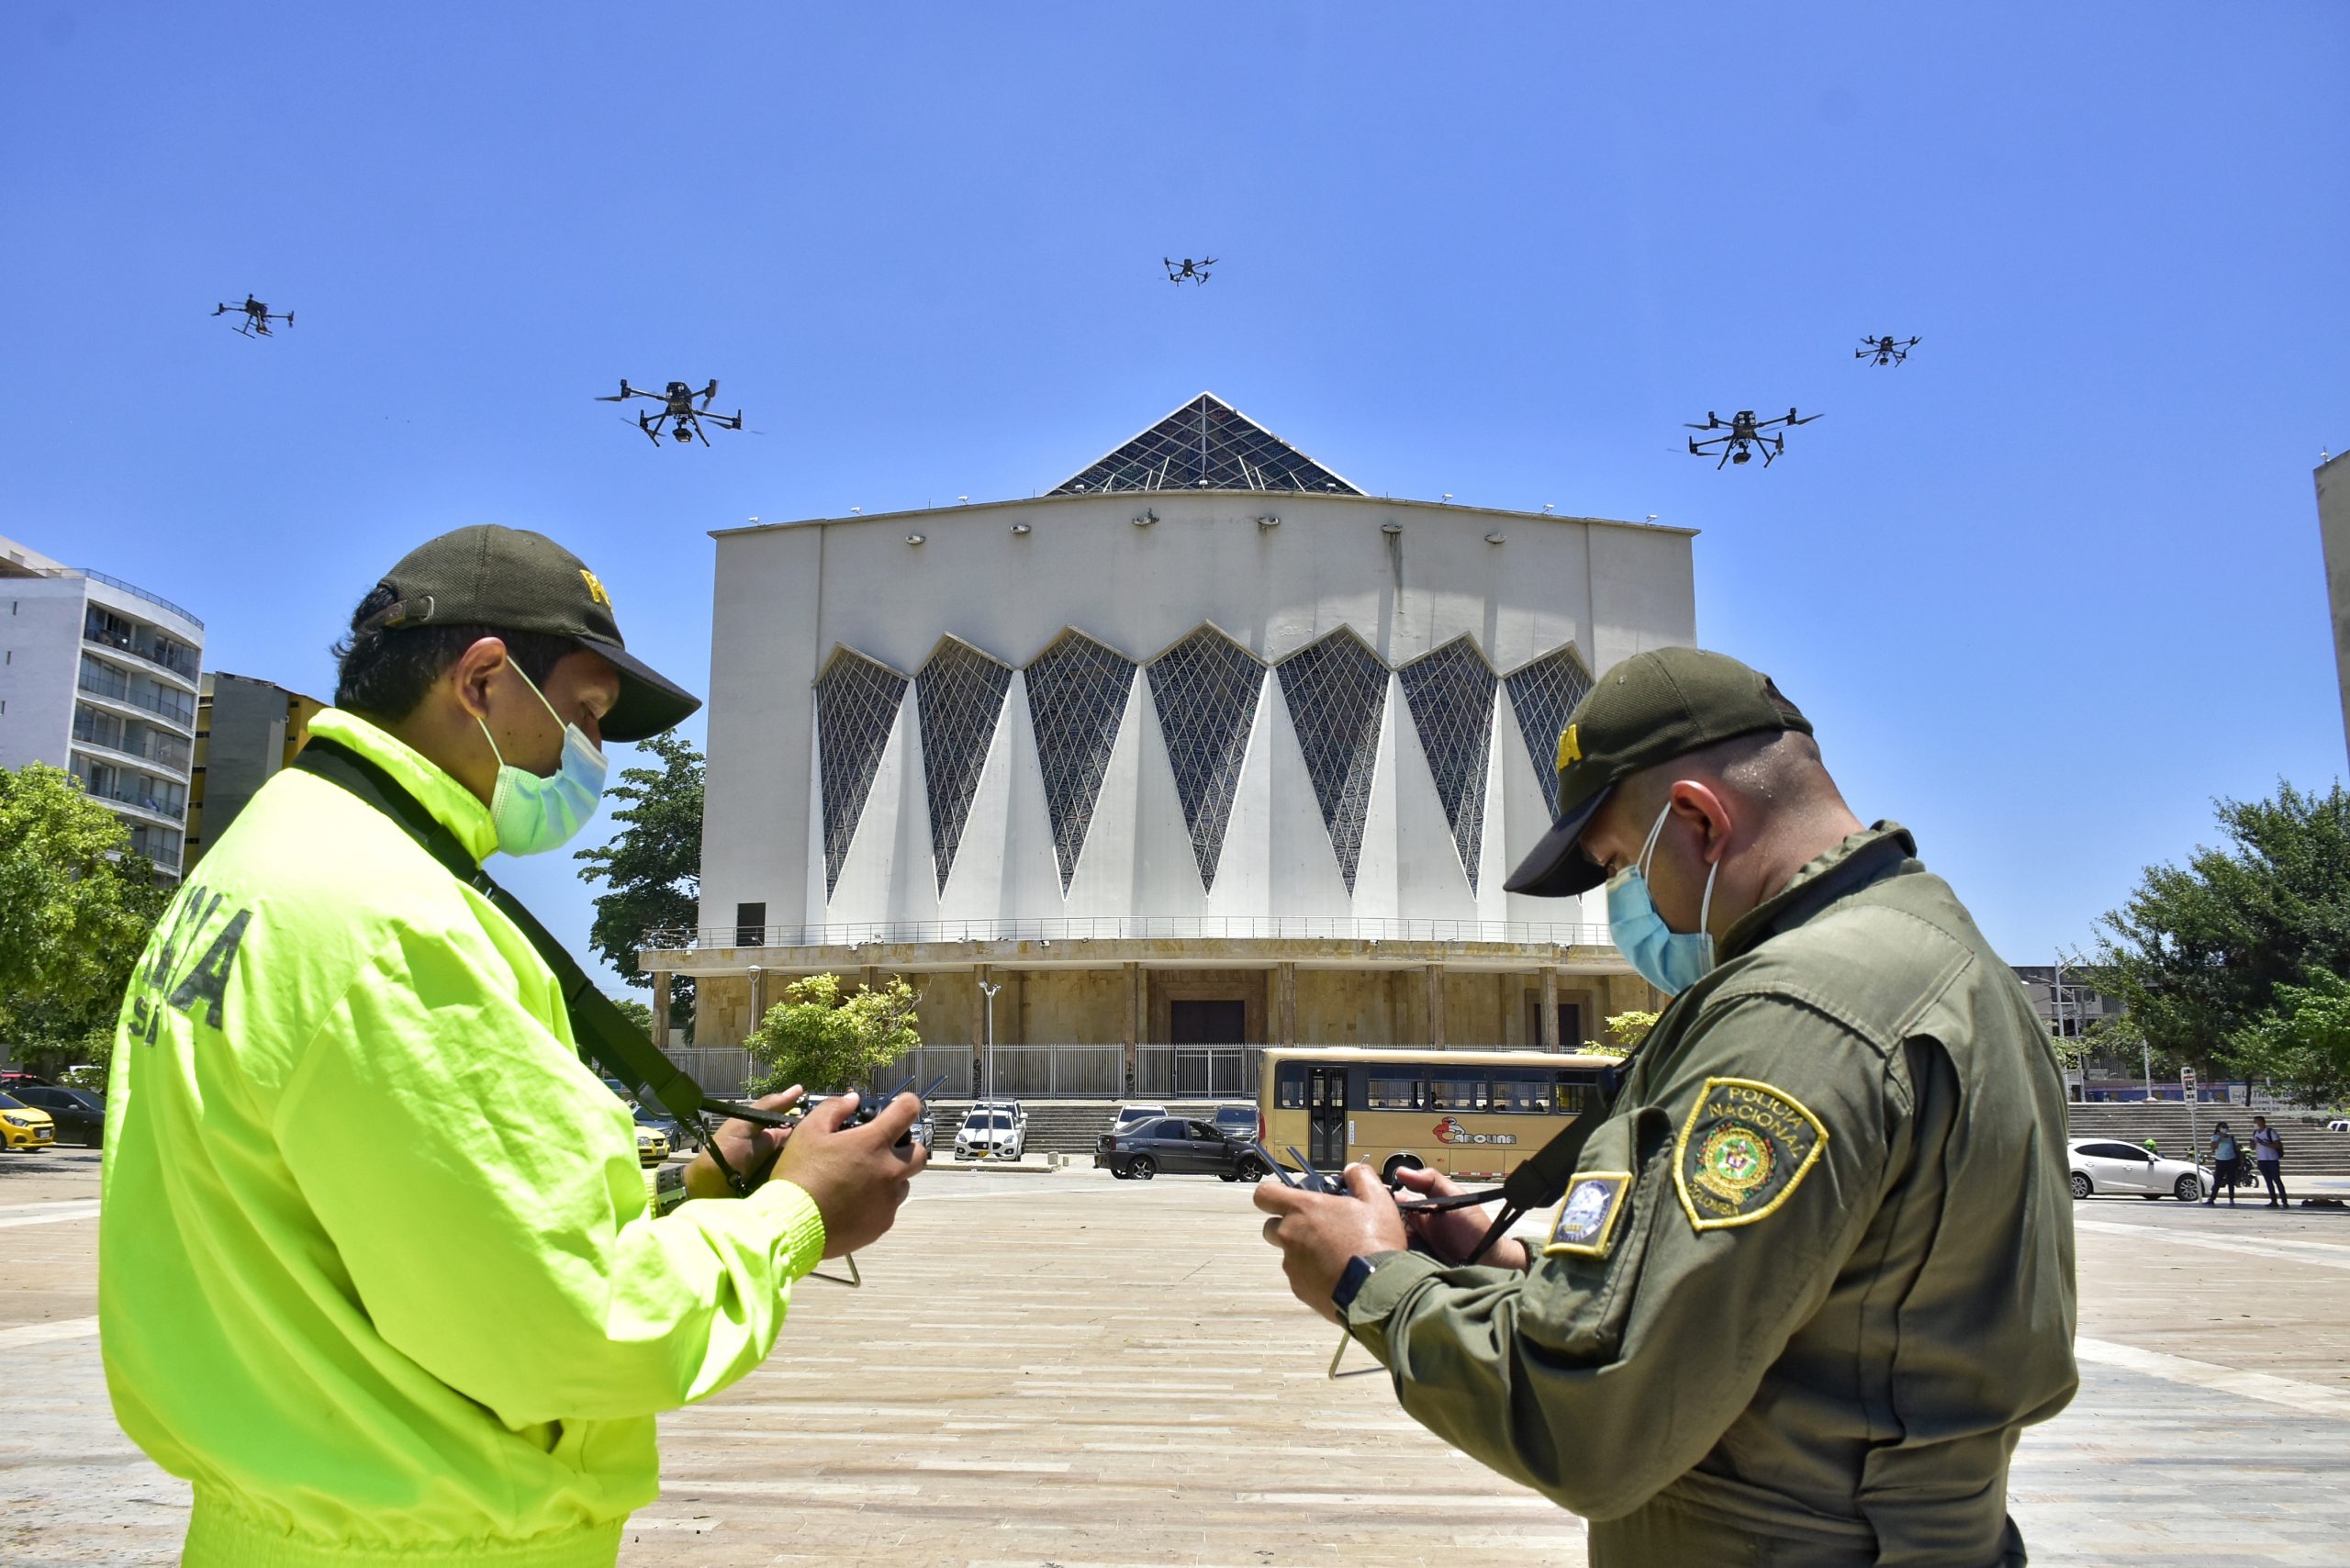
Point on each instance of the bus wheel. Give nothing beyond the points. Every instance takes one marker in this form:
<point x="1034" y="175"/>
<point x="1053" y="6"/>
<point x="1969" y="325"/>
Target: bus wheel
<point x="1142" y="1168"/>
<point x="1398" y="1163"/>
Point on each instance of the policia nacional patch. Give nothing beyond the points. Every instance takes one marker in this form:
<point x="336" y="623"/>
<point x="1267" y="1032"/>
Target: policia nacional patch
<point x="1743" y="1150"/>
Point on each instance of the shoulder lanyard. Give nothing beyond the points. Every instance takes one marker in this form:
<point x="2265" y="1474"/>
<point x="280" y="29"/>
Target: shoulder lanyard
<point x="603" y="1032"/>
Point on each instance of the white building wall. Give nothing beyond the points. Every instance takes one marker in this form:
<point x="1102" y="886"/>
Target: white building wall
<point x="786" y="595"/>
<point x="42" y="648"/>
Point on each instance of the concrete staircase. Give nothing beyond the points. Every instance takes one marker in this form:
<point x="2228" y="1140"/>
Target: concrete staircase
<point x="2310" y="1149"/>
<point x="1072" y="1127"/>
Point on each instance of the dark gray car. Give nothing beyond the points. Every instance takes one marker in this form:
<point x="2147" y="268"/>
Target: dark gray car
<point x="80" y="1115"/>
<point x="1178" y="1146"/>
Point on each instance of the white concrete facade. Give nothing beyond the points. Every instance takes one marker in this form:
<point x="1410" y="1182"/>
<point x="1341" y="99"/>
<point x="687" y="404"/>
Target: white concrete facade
<point x="1010" y="578"/>
<point x="100" y="678"/>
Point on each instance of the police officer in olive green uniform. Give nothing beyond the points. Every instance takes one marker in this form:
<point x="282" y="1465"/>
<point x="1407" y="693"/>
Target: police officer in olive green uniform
<point x="1813" y="1275"/>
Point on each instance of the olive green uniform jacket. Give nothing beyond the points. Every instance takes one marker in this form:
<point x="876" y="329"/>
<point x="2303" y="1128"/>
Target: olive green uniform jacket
<point x="1814" y="1273"/>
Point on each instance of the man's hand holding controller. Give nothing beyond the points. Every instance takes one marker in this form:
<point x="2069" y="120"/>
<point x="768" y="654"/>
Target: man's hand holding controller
<point x="1450" y="1235"/>
<point x="857" y="1175"/>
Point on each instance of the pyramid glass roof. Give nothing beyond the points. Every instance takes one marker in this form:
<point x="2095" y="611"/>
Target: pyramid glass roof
<point x="1206" y="444"/>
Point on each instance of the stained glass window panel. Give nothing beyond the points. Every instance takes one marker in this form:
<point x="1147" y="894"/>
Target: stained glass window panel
<point x="959" y="693"/>
<point x="1076" y="699"/>
<point x="1337" y="691"/>
<point x="1544" y="692"/>
<point x="1206" y="688"/>
<point x="1450" y="693"/>
<point x="857" y="703"/>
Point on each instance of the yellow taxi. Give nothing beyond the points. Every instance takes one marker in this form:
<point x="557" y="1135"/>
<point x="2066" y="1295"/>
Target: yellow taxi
<point x="25" y="1127"/>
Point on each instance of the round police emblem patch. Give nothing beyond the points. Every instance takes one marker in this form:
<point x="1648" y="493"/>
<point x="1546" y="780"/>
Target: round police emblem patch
<point x="1734" y="1160"/>
<point x="1743" y="1150"/>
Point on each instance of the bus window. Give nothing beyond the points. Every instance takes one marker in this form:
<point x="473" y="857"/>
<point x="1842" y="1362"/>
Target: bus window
<point x="1289" y="1088"/>
<point x="1397" y="1094"/>
<point x="1526" y="1092"/>
<point x="1569" y="1095"/>
<point x="1458" y="1089"/>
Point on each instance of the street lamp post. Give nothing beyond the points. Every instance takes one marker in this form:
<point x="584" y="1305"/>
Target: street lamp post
<point x="990" y="987"/>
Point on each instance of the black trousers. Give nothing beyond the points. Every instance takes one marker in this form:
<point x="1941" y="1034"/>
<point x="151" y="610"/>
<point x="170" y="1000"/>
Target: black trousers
<point x="2272" y="1176"/>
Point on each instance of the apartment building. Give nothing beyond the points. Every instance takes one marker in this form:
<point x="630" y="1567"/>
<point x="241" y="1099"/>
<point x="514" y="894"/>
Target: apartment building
<point x="100" y="677"/>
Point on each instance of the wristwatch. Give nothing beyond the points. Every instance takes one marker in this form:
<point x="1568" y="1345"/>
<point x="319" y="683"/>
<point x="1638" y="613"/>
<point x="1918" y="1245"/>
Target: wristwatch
<point x="1350" y="1286"/>
<point x="668" y="1188"/>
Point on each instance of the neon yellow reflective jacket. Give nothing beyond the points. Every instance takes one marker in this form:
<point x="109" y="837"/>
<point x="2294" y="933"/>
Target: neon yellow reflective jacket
<point x="376" y="1272"/>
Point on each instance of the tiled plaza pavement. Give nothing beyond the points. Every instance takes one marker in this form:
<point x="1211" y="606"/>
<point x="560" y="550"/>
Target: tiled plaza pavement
<point x="1070" y="1370"/>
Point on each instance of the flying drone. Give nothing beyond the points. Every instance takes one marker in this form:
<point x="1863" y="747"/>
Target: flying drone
<point x="678" y="403"/>
<point x="1746" y="433"/>
<point x="1187" y="268"/>
<point x="1886" y="349"/>
<point x="257" y="316"/>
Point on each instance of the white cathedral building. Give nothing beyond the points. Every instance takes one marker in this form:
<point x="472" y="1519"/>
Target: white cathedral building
<point x="1205" y="746"/>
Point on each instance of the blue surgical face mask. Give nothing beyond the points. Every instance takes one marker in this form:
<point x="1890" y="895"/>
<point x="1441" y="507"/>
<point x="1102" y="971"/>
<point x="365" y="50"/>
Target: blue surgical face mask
<point x="532" y="815"/>
<point x="1669" y="960"/>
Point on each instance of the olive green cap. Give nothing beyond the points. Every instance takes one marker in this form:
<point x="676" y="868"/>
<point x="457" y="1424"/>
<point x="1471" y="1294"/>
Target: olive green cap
<point x="511" y="579"/>
<point x="1644" y="711"/>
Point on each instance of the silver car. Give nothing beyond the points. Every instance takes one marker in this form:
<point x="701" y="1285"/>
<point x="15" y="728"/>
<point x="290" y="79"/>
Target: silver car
<point x="2102" y="1165"/>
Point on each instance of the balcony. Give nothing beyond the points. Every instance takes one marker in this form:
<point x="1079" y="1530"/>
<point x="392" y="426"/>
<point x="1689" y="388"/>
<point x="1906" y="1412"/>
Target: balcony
<point x="136" y="590"/>
<point x="127" y="737"/>
<point x="180" y="662"/>
<point x="131" y="795"/>
<point x="99" y="681"/>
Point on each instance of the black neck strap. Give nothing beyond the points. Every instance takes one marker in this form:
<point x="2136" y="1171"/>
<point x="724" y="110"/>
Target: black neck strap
<point x="604" y="1033"/>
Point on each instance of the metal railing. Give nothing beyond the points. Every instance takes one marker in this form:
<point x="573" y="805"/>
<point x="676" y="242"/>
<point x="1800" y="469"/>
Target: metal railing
<point x="135" y="589"/>
<point x="1054" y="1071"/>
<point x="148" y="745"/>
<point x="140" y="798"/>
<point x="1128" y="928"/>
<point x="107" y="684"/>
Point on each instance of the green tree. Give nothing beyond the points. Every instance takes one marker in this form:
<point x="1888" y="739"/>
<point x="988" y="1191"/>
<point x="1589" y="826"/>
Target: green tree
<point x="637" y="1013"/>
<point x="827" y="1041"/>
<point x="76" y="907"/>
<point x="2197" y="951"/>
<point x="2303" y="1042"/>
<point x="653" y="866"/>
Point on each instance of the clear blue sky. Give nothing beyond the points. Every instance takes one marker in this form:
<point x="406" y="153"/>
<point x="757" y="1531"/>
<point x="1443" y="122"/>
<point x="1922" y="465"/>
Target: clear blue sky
<point x="2046" y="590"/>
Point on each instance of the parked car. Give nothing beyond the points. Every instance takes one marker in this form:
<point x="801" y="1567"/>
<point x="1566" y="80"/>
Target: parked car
<point x="653" y="1119"/>
<point x="1011" y="1108"/>
<point x="1239" y="1121"/>
<point x="2100" y="1165"/>
<point x="23" y="1125"/>
<point x="1127" y="1116"/>
<point x="2339" y="1125"/>
<point x="1177" y="1144"/>
<point x="991" y="1134"/>
<point x="80" y="1115"/>
<point x="652" y="1148"/>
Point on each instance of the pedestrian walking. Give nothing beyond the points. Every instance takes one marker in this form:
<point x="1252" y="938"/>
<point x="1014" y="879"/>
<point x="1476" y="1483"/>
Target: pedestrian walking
<point x="2268" y="1153"/>
<point x="2225" y="1152"/>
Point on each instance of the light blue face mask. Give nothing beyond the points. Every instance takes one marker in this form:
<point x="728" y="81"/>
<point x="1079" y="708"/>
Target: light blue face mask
<point x="1669" y="960"/>
<point x="532" y="815"/>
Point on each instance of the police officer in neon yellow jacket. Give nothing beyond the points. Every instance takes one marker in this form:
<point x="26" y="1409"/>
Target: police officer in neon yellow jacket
<point x="378" y="1270"/>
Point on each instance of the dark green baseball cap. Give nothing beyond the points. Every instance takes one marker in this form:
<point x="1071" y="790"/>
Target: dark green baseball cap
<point x="1644" y="711"/>
<point x="511" y="579"/>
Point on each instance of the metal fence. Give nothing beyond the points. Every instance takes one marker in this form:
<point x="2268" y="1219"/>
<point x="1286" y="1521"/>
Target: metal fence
<point x="723" y="1070"/>
<point x="1035" y="1072"/>
<point x="1123" y="928"/>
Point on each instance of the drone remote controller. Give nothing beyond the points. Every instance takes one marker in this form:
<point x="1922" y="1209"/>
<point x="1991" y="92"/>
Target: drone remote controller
<point x="867" y="1109"/>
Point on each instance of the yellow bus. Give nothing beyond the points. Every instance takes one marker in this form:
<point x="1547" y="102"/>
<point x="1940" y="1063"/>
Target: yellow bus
<point x="1463" y="1112"/>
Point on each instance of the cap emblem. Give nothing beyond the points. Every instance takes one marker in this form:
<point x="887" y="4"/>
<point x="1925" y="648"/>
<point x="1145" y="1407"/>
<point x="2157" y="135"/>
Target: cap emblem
<point x="595" y="588"/>
<point x="1570" y="749"/>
